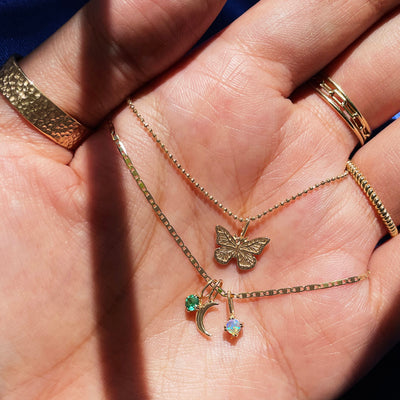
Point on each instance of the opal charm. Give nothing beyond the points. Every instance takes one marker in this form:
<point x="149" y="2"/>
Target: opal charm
<point x="233" y="326"/>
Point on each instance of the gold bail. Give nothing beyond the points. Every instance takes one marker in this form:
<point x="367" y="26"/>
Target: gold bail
<point x="244" y="230"/>
<point x="214" y="285"/>
<point x="230" y="305"/>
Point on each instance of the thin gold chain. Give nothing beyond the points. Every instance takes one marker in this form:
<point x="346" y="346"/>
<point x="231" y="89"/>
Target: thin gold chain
<point x="203" y="273"/>
<point x="212" y="198"/>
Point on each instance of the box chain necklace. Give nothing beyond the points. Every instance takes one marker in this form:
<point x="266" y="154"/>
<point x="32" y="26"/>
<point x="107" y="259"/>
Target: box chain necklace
<point x="231" y="246"/>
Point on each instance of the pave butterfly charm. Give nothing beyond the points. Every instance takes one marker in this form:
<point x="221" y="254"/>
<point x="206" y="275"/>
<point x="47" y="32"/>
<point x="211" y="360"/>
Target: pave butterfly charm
<point x="238" y="247"/>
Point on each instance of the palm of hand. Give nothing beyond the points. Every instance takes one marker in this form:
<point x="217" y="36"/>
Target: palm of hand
<point x="112" y="260"/>
<point x="101" y="284"/>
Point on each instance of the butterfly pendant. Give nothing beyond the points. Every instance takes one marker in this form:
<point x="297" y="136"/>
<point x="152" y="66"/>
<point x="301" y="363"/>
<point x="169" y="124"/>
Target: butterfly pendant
<point x="238" y="247"/>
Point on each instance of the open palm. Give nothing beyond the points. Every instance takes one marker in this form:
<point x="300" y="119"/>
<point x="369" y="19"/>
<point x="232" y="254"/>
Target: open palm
<point x="93" y="286"/>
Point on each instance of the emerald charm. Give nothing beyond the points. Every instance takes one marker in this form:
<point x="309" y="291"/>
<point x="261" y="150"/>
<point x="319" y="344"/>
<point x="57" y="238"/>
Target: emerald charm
<point x="192" y="302"/>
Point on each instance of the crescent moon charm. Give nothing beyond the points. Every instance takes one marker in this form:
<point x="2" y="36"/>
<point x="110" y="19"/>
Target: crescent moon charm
<point x="201" y="303"/>
<point x="200" y="316"/>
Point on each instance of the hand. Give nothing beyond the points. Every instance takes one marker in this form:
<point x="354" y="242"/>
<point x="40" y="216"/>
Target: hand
<point x="93" y="285"/>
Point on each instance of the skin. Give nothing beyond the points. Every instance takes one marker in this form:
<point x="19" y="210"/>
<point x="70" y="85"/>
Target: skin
<point x="92" y="285"/>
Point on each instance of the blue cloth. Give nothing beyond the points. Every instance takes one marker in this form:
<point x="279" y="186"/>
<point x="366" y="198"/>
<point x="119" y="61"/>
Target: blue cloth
<point x="24" y="24"/>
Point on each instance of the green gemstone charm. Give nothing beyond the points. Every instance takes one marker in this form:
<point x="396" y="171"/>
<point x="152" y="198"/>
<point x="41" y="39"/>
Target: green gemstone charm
<point x="192" y="302"/>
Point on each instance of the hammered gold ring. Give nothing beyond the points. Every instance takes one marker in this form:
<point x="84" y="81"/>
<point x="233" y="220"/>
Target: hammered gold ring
<point x="38" y="110"/>
<point x="372" y="197"/>
<point x="334" y="95"/>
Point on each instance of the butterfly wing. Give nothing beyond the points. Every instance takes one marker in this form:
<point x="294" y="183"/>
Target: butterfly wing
<point x="254" y="246"/>
<point x="223" y="254"/>
<point x="224" y="238"/>
<point x="245" y="258"/>
<point x="227" y="242"/>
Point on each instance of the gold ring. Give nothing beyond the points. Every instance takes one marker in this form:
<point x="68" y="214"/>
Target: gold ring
<point x="334" y="95"/>
<point x="38" y="110"/>
<point x="372" y="197"/>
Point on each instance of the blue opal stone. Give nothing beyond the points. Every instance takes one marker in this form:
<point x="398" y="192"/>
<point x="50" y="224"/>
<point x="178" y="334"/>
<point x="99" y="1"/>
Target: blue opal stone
<point x="233" y="327"/>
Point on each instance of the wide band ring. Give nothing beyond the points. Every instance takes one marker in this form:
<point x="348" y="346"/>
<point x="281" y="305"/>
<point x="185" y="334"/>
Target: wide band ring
<point x="38" y="110"/>
<point x="334" y="95"/>
<point x="372" y="197"/>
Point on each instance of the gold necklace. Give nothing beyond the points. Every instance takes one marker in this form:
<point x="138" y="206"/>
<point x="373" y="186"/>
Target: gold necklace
<point x="231" y="246"/>
<point x="206" y="299"/>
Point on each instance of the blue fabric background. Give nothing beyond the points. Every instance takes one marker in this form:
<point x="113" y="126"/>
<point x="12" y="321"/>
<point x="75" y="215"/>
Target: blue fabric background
<point x="24" y="24"/>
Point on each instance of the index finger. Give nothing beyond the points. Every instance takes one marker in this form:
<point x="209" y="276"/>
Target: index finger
<point x="293" y="40"/>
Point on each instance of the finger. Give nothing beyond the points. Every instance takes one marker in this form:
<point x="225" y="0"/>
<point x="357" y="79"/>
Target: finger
<point x="110" y="48"/>
<point x="369" y="69"/>
<point x="367" y="72"/>
<point x="384" y="294"/>
<point x="378" y="163"/>
<point x="293" y="40"/>
<point x="385" y="279"/>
